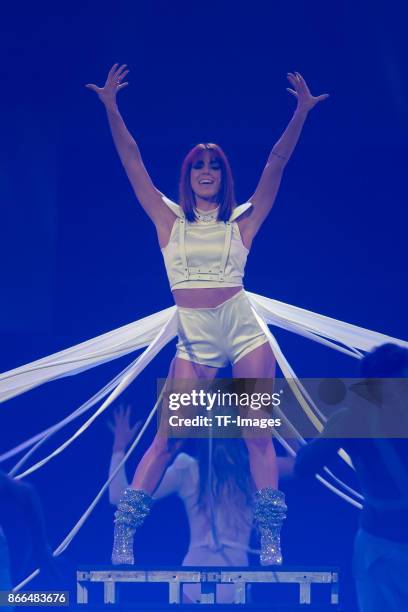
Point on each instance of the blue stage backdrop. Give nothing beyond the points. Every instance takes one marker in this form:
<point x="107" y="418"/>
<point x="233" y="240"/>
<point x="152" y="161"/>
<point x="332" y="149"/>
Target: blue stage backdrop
<point x="80" y="257"/>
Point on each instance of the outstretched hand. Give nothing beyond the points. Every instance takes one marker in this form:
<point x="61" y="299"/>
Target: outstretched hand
<point x="113" y="84"/>
<point x="305" y="100"/>
<point x="122" y="431"/>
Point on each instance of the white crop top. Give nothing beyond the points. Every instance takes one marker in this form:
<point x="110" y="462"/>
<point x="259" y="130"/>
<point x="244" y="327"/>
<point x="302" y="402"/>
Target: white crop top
<point x="205" y="253"/>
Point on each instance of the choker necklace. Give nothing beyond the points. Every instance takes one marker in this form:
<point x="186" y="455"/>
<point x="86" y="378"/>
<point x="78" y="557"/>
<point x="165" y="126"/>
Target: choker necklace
<point x="206" y="215"/>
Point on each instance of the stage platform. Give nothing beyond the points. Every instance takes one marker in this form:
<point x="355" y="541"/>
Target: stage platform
<point x="172" y="579"/>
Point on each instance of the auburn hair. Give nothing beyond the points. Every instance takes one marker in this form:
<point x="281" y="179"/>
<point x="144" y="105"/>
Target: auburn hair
<point x="226" y="195"/>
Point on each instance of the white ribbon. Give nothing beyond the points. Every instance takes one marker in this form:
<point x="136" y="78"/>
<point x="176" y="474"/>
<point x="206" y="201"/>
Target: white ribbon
<point x="154" y="332"/>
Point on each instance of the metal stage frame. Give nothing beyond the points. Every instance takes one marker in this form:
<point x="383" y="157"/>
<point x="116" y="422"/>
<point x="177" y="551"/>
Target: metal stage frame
<point x="208" y="577"/>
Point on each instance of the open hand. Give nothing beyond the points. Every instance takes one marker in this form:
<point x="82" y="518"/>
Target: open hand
<point x="113" y="84"/>
<point x="122" y="431"/>
<point x="305" y="100"/>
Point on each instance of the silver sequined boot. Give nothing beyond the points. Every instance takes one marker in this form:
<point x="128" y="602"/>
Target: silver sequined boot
<point x="269" y="513"/>
<point x="133" y="508"/>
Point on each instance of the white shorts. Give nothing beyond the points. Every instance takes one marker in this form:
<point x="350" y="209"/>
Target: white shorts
<point x="220" y="335"/>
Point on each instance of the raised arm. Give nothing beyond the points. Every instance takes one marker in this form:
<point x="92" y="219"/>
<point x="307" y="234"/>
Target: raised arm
<point x="123" y="434"/>
<point x="149" y="197"/>
<point x="268" y="186"/>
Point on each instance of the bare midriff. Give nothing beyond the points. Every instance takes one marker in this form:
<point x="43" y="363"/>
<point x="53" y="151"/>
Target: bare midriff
<point x="204" y="298"/>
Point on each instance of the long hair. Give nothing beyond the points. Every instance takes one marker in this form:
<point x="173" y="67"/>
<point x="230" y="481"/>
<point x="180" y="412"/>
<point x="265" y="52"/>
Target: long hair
<point x="226" y="195"/>
<point x="226" y="473"/>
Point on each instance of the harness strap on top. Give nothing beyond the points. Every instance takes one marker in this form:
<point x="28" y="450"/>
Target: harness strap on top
<point x="187" y="272"/>
<point x="226" y="250"/>
<point x="224" y="258"/>
<point x="182" y="234"/>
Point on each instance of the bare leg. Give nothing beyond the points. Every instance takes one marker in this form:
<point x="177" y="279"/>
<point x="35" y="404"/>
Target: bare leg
<point x="260" y="363"/>
<point x="136" y="501"/>
<point x="269" y="502"/>
<point x="161" y="452"/>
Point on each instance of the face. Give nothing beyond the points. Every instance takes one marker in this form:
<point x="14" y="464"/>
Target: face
<point x="205" y="176"/>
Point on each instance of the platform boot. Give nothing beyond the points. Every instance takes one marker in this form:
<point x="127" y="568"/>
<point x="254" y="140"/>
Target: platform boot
<point x="269" y="514"/>
<point x="133" y="508"/>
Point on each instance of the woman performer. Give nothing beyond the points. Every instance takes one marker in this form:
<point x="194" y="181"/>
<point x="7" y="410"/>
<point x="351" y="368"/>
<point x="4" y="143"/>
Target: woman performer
<point x="205" y="242"/>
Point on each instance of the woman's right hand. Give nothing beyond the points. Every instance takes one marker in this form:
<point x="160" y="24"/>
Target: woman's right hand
<point x="107" y="93"/>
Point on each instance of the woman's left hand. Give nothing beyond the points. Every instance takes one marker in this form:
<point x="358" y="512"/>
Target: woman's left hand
<point x="122" y="431"/>
<point x="305" y="100"/>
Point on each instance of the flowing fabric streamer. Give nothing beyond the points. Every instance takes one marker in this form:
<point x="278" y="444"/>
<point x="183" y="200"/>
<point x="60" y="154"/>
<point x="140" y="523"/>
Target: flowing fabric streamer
<point x="68" y="539"/>
<point x="81" y="357"/>
<point x="154" y="332"/>
<point x="162" y="338"/>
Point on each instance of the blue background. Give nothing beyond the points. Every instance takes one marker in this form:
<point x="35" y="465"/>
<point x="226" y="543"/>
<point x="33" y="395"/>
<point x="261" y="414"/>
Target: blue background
<point x="80" y="257"/>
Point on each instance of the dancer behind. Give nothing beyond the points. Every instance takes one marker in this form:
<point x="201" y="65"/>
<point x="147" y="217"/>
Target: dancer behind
<point x="220" y="522"/>
<point x="20" y="498"/>
<point x="381" y="545"/>
<point x="205" y="243"/>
